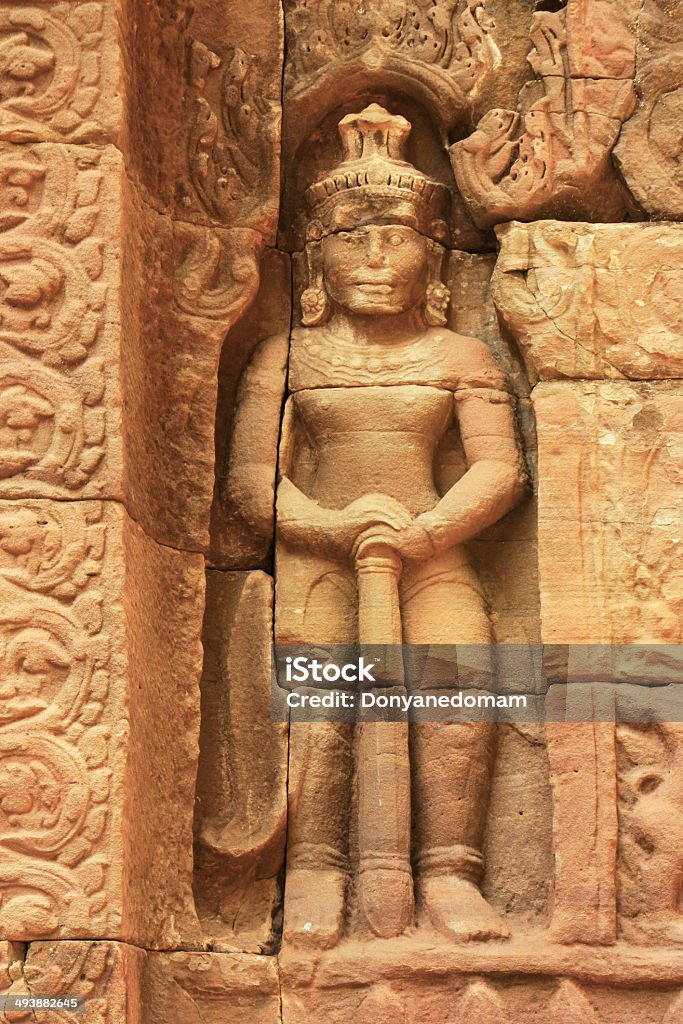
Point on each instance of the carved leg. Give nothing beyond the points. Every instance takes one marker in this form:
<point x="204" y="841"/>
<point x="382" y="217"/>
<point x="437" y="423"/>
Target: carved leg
<point x="316" y="603"/>
<point x="451" y="781"/>
<point x="452" y="764"/>
<point x="317" y="862"/>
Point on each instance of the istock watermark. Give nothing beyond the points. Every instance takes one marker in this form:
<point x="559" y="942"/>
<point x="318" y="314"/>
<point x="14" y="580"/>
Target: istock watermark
<point x="478" y="683"/>
<point x="303" y="669"/>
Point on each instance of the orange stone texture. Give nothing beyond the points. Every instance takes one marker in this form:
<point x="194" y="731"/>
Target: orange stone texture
<point x="329" y="322"/>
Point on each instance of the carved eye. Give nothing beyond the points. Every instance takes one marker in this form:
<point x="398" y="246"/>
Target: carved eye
<point x="396" y="239"/>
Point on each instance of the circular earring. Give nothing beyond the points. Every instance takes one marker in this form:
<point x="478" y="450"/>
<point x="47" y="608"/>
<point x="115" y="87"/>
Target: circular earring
<point x="437" y="298"/>
<point x="314" y="306"/>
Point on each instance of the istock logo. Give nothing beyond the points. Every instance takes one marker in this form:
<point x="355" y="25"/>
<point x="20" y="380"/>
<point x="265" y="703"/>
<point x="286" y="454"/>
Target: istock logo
<point x="305" y="670"/>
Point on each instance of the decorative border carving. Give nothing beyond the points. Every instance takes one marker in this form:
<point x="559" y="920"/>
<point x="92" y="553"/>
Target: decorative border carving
<point x="55" y="311"/>
<point x="51" y="73"/>
<point x="54" y="746"/>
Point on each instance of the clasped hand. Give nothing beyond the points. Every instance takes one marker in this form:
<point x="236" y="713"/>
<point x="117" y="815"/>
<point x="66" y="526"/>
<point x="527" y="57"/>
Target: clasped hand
<point x="383" y="520"/>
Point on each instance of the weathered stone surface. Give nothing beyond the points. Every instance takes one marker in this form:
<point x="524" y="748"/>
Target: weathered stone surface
<point x="505" y="554"/>
<point x="650" y="146"/>
<point x="251" y="384"/>
<point x="219" y="129"/>
<point x="212" y="987"/>
<point x="164" y="603"/>
<point x="186" y="287"/>
<point x="552" y="158"/>
<point x="593" y="301"/>
<point x="105" y="975"/>
<point x="418" y="993"/>
<point x="91" y="756"/>
<point x="60" y="72"/>
<point x="59" y="335"/>
<point x="582" y="768"/>
<point x="241" y="808"/>
<point x="610" y="511"/>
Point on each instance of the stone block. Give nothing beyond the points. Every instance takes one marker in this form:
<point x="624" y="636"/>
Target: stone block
<point x="104" y="975"/>
<point x="241" y="809"/>
<point x="99" y="723"/>
<point x="610" y="511"/>
<point x="593" y="300"/>
<point x="649" y="149"/>
<point x="60" y="432"/>
<point x="211" y="987"/>
<point x="61" y="72"/>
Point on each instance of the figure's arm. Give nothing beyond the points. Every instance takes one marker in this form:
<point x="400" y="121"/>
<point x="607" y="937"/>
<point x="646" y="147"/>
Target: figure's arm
<point x="495" y="480"/>
<point x="249" y="485"/>
<point x="301" y="521"/>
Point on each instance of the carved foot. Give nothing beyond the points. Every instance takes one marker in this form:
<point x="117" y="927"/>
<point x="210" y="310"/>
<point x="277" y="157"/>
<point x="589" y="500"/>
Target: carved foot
<point x="314" y="907"/>
<point x="458" y="910"/>
<point x="386" y="901"/>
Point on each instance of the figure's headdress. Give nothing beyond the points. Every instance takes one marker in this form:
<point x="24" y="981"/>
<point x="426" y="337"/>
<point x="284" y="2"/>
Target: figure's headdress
<point x="374" y="184"/>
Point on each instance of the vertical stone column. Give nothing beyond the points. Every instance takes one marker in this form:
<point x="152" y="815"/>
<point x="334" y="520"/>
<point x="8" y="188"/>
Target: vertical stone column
<point x="207" y="309"/>
<point x="591" y="309"/>
<point x="101" y="617"/>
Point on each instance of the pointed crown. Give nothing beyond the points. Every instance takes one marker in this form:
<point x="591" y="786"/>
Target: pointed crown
<point x="374" y="184"/>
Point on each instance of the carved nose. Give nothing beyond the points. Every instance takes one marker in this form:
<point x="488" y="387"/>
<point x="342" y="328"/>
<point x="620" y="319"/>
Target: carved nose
<point x="376" y="257"/>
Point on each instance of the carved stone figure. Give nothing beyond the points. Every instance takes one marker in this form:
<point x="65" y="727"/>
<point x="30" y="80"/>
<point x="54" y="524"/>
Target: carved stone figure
<point x="378" y="386"/>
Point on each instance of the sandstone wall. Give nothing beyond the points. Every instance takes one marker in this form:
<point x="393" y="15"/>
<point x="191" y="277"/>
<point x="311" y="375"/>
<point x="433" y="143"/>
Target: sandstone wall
<point x="154" y="158"/>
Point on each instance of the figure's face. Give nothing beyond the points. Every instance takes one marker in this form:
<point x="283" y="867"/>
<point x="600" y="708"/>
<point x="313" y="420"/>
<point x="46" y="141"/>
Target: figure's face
<point x="376" y="270"/>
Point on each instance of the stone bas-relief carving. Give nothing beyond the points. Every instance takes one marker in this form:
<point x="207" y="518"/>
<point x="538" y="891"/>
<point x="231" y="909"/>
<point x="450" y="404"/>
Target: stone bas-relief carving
<point x="551" y="157"/>
<point x="219" y="130"/>
<point x="593" y="301"/>
<point x="390" y="470"/>
<point x="437" y="48"/>
<point x="370" y="546"/>
<point x="60" y="75"/>
<point x="79" y="582"/>
<point x="651" y="144"/>
<point x="650" y="803"/>
<point x="58" y="334"/>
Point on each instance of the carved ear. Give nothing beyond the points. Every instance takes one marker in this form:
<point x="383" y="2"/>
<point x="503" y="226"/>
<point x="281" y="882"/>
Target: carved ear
<point x="437" y="295"/>
<point x="315" y="302"/>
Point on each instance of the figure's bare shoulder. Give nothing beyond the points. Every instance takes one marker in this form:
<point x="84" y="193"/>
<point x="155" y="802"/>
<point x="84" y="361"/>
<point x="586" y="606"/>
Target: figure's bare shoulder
<point x="269" y="355"/>
<point x="470" y="361"/>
